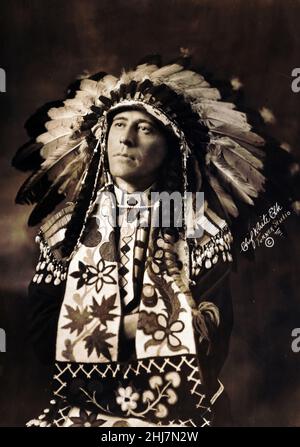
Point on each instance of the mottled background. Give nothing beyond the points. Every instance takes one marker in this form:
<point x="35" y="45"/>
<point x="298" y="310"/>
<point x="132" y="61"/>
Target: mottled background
<point x="44" y="46"/>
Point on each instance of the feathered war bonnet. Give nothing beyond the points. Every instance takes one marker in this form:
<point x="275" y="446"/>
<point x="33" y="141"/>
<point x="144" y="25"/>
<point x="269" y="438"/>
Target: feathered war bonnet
<point x="68" y="159"/>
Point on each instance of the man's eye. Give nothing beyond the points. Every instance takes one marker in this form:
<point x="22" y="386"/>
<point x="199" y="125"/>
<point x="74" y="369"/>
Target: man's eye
<point x="118" y="124"/>
<point x="145" y="129"/>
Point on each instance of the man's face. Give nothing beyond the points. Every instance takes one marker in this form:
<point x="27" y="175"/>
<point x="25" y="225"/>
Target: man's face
<point x="136" y="147"/>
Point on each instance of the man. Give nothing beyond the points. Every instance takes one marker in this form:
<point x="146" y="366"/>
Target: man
<point x="137" y="314"/>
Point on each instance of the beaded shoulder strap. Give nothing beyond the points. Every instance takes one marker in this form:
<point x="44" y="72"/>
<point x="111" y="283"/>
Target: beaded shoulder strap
<point x="51" y="266"/>
<point x="214" y="245"/>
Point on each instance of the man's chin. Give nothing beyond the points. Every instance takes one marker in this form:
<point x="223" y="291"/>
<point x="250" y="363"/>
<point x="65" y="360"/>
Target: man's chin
<point x="127" y="178"/>
<point x="135" y="182"/>
<point x="128" y="169"/>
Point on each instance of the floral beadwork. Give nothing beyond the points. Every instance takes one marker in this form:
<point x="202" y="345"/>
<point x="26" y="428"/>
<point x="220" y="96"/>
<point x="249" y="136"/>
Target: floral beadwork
<point x="90" y="275"/>
<point x="160" y="393"/>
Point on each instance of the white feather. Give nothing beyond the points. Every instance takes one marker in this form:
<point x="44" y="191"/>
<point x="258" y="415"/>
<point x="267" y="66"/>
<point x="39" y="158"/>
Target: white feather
<point x="166" y="71"/>
<point x="77" y="105"/>
<point x="236" y="134"/>
<point x="48" y="137"/>
<point x="232" y="179"/>
<point x="245" y="169"/>
<point x="185" y="84"/>
<point x="187" y="76"/>
<point x="140" y="73"/>
<point x="218" y="104"/>
<point x="221" y="114"/>
<point x="71" y="123"/>
<point x="53" y="145"/>
<point x="200" y="93"/>
<point x="106" y="84"/>
<point x="240" y="151"/>
<point x="214" y="124"/>
<point x="62" y="112"/>
<point x="89" y="86"/>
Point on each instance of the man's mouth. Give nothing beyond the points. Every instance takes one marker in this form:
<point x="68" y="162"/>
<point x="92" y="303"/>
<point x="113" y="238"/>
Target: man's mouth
<point x="125" y="156"/>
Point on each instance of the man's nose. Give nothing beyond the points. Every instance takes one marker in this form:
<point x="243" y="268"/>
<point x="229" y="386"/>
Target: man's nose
<point x="128" y="137"/>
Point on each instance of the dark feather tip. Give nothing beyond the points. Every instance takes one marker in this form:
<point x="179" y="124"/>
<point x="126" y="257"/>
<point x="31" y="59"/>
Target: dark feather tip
<point x="35" y="125"/>
<point x="28" y="157"/>
<point x="44" y="208"/>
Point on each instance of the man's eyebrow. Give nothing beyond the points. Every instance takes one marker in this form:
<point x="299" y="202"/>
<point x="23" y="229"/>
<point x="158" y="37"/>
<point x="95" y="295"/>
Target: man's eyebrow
<point x="120" y="118"/>
<point x="138" y="121"/>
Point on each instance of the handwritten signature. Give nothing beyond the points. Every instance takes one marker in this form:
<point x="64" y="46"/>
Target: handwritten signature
<point x="268" y="224"/>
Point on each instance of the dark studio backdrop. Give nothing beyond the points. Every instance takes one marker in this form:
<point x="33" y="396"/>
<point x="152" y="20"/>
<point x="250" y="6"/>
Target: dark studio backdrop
<point x="47" y="44"/>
